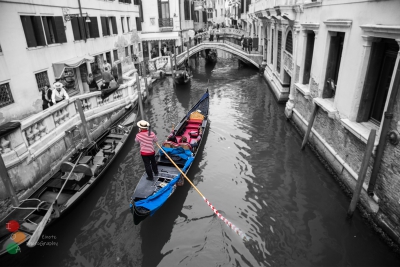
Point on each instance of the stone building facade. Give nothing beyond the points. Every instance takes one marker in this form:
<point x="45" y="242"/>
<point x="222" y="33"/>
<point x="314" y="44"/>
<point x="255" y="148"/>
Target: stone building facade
<point x="342" y="59"/>
<point x="39" y="36"/>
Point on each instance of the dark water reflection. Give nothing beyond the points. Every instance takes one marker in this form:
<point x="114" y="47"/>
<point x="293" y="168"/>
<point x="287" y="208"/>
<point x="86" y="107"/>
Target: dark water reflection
<point x="250" y="168"/>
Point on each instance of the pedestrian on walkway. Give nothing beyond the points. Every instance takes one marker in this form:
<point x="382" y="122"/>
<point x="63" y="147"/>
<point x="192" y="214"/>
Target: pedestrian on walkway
<point x="59" y="94"/>
<point x="107" y="66"/>
<point x="92" y="83"/>
<point x="250" y="45"/>
<point x="107" y="77"/>
<point x="146" y="140"/>
<point x="114" y="71"/>
<point x="46" y="96"/>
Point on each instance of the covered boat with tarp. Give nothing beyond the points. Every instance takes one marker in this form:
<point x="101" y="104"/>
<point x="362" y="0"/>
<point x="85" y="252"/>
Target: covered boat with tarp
<point x="150" y="195"/>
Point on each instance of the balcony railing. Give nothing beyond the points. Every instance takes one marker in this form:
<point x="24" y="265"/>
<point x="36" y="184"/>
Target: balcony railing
<point x="166" y="23"/>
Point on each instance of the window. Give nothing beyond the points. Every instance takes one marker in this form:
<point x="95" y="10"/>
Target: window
<point x="126" y="51"/>
<point x="333" y="65"/>
<point x="78" y="28"/>
<point x="192" y="11"/>
<point x="141" y="11"/>
<point x="115" y="53"/>
<point x="308" y="57"/>
<point x="33" y="29"/>
<point x="216" y="13"/>
<point x="122" y="24"/>
<point x="5" y="95"/>
<point x="105" y="25"/>
<point x="136" y="2"/>
<point x="125" y="1"/>
<point x="1" y="50"/>
<point x="163" y="9"/>
<point x="42" y="79"/>
<point x="196" y="16"/>
<point x="93" y="28"/>
<point x="204" y="16"/>
<point x="289" y="43"/>
<point x="128" y="22"/>
<point x="138" y="24"/>
<point x="377" y="82"/>
<point x="278" y="58"/>
<point x="131" y="46"/>
<point x="187" y="9"/>
<point x="114" y="25"/>
<point x="242" y="7"/>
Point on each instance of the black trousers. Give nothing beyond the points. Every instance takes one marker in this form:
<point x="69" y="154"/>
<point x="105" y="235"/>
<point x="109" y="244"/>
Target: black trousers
<point x="149" y="165"/>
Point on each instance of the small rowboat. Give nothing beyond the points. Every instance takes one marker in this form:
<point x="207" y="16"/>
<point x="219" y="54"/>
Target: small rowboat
<point x="94" y="159"/>
<point x="150" y="195"/>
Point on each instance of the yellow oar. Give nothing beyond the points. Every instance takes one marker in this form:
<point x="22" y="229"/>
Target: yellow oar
<point x="39" y="229"/>
<point x="225" y="220"/>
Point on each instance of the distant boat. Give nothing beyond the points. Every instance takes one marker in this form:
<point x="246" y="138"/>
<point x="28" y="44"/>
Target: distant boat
<point x="182" y="77"/>
<point x="212" y="56"/>
<point x="96" y="157"/>
<point x="150" y="195"/>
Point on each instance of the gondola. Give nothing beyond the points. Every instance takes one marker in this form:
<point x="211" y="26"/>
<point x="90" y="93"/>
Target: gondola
<point x="182" y="77"/>
<point x="212" y="56"/>
<point x="150" y="195"/>
<point x="94" y="159"/>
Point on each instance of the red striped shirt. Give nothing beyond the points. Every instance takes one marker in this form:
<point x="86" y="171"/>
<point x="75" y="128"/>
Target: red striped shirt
<point x="146" y="142"/>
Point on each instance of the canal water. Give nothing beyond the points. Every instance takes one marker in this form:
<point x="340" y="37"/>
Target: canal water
<point x="250" y="168"/>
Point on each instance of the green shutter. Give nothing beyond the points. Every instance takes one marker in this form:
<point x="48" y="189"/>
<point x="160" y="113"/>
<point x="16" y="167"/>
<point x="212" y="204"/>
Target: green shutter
<point x="82" y="27"/>
<point x="159" y="9"/>
<point x="60" y="30"/>
<point x="75" y="28"/>
<point x="46" y="30"/>
<point x="103" y="25"/>
<point x="28" y="30"/>
<point x="114" y="25"/>
<point x="94" y="28"/>
<point x="39" y="34"/>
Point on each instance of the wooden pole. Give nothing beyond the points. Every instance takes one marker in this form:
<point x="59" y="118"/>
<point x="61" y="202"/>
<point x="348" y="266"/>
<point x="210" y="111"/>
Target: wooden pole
<point x="361" y="174"/>
<point x="310" y="124"/>
<point x="175" y="57"/>
<point x="139" y="96"/>
<point x="7" y="183"/>
<point x="188" y="48"/>
<point x="172" y="68"/>
<point x="83" y="119"/>
<point x="144" y="76"/>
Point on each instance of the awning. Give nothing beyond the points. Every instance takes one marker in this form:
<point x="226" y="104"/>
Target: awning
<point x="155" y="36"/>
<point x="70" y="63"/>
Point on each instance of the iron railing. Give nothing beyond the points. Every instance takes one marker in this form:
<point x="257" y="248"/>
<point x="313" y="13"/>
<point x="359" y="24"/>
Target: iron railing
<point x="165" y="23"/>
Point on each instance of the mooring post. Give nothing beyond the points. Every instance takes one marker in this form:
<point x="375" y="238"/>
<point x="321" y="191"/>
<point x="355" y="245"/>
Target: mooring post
<point x="139" y="96"/>
<point x="7" y="183"/>
<point x="144" y="76"/>
<point x="83" y="119"/>
<point x="361" y="174"/>
<point x="310" y="124"/>
<point x="172" y="67"/>
<point x="188" y="48"/>
<point x="175" y="57"/>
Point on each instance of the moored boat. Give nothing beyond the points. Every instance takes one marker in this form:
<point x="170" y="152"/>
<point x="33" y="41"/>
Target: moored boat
<point x="81" y="172"/>
<point x="150" y="195"/>
<point x="182" y="77"/>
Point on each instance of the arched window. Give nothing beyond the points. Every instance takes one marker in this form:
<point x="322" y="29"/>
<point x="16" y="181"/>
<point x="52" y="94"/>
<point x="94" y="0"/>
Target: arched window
<point x="289" y="43"/>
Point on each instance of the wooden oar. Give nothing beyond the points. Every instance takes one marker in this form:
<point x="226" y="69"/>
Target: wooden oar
<point x="225" y="220"/>
<point x="39" y="229"/>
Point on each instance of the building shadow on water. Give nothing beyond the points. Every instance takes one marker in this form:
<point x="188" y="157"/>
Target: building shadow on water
<point x="156" y="230"/>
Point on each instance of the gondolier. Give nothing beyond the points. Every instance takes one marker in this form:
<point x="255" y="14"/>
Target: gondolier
<point x="146" y="140"/>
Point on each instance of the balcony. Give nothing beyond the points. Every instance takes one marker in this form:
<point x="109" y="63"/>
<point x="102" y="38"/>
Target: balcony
<point x="166" y="24"/>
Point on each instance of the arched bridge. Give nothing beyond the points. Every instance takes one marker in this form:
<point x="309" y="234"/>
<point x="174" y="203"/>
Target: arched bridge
<point x="227" y="46"/>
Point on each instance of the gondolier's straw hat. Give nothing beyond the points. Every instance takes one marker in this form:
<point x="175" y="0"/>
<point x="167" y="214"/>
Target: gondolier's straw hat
<point x="143" y="124"/>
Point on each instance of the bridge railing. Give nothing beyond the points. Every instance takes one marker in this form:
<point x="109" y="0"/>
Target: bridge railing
<point x="224" y="31"/>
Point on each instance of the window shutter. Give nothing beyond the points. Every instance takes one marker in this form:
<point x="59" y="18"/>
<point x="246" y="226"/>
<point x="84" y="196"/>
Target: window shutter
<point x="114" y="25"/>
<point x="159" y="9"/>
<point x="138" y="24"/>
<point x="192" y="11"/>
<point x="141" y="12"/>
<point x="28" y="30"/>
<point x="60" y="30"/>
<point x="46" y="30"/>
<point x="94" y="27"/>
<point x="37" y="25"/>
<point x="104" y="25"/>
<point x="75" y="28"/>
<point x="82" y="27"/>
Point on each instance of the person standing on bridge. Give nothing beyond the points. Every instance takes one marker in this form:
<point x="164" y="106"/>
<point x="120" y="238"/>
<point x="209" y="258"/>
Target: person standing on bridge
<point x="146" y="140"/>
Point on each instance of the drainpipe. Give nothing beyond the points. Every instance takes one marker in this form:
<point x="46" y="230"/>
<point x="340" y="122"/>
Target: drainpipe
<point x="385" y="127"/>
<point x="80" y="11"/>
